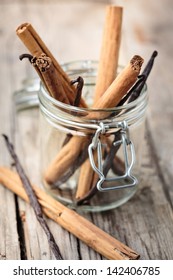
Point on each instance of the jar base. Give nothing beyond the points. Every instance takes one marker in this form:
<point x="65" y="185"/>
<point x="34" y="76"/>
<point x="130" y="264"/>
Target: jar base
<point x="117" y="199"/>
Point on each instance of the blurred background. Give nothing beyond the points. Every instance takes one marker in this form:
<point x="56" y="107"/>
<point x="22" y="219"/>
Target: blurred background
<point x="64" y="24"/>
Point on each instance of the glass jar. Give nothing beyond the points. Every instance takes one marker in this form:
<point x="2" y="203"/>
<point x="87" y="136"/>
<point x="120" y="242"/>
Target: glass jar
<point x="106" y="149"/>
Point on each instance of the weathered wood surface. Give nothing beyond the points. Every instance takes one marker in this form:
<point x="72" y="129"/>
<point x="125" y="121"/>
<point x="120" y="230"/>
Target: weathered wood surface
<point x="72" y="30"/>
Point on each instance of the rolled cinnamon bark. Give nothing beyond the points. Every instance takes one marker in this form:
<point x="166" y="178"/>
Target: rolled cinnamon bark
<point x="119" y="87"/>
<point x="107" y="71"/>
<point x="36" y="46"/>
<point x="65" y="158"/>
<point x="87" y="178"/>
<point x="109" y="54"/>
<point x="86" y="231"/>
<point x="49" y="76"/>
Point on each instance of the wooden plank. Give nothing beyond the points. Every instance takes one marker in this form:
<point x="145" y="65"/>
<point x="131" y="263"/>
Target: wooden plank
<point x="9" y="243"/>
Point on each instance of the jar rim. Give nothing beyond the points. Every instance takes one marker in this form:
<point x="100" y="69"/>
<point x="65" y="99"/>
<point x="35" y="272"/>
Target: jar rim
<point x="72" y="108"/>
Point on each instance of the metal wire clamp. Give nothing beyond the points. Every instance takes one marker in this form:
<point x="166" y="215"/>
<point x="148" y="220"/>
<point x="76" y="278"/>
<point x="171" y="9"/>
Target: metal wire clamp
<point x="128" y="179"/>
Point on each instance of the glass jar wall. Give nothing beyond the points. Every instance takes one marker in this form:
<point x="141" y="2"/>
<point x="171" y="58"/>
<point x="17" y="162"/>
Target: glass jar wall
<point x="90" y="159"/>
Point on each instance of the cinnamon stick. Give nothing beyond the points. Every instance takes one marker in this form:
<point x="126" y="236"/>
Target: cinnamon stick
<point x="107" y="71"/>
<point x="47" y="73"/>
<point x="36" y="46"/>
<point x="76" y="164"/>
<point x="94" y="237"/>
<point x="108" y="62"/>
<point x="87" y="178"/>
<point x="64" y="159"/>
<point x="50" y="77"/>
<point x="111" y="97"/>
<point x="119" y="87"/>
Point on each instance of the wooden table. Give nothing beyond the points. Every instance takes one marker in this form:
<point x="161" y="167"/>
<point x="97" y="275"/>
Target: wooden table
<point x="73" y="30"/>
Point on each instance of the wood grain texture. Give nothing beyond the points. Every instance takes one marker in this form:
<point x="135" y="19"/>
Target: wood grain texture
<point x="145" y="223"/>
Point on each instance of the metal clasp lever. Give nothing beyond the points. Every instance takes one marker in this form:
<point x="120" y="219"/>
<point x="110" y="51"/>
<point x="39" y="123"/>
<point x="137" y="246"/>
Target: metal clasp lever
<point x="128" y="179"/>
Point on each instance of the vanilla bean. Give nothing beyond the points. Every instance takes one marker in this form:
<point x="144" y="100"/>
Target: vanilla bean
<point x="33" y="200"/>
<point x="118" y="166"/>
<point x="80" y="83"/>
<point x="32" y="60"/>
<point x="113" y="150"/>
<point x="26" y="55"/>
<point x="130" y="92"/>
<point x="67" y="138"/>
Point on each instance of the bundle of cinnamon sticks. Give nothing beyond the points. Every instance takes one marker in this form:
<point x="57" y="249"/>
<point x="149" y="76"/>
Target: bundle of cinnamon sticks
<point x="110" y="90"/>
